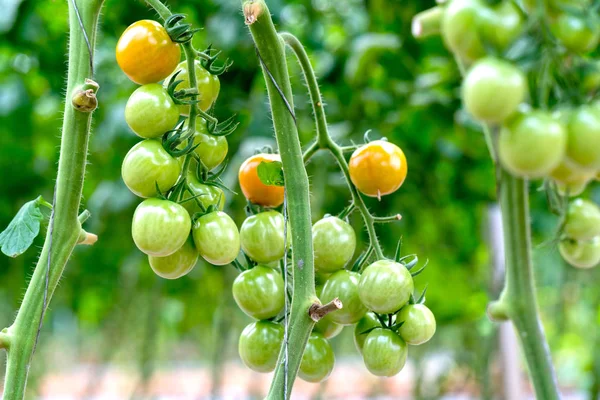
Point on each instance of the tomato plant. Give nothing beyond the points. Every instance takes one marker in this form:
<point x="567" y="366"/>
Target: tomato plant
<point x="259" y="345"/>
<point x="385" y="286"/>
<point x="217" y="238"/>
<point x="582" y="220"/>
<point x="581" y="254"/>
<point x="262" y="237"/>
<point x="384" y="352"/>
<point x="344" y="285"/>
<point x="418" y="324"/>
<point x="150" y="112"/>
<point x="259" y="292"/>
<point x="334" y="242"/>
<point x="178" y="264"/>
<point x="208" y="85"/>
<point x="146" y="53"/>
<point x="361" y="330"/>
<point x="318" y="359"/>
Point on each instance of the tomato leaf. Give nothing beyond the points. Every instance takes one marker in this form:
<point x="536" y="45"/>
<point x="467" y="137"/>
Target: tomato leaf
<point x="25" y="226"/>
<point x="270" y="173"/>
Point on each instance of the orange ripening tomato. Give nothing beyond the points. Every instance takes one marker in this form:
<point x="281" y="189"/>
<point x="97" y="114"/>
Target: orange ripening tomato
<point x="252" y="187"/>
<point x="146" y="53"/>
<point x="378" y="168"/>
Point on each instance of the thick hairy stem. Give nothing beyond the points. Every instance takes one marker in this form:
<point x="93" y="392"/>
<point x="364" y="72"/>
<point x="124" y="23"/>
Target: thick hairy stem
<point x="65" y="227"/>
<point x="324" y="140"/>
<point x="270" y="49"/>
<point x="518" y="300"/>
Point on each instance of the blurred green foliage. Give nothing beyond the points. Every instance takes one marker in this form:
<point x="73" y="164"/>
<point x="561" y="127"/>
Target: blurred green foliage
<point x="373" y="75"/>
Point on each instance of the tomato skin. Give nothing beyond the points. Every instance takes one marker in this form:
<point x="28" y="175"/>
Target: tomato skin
<point x="385" y="286"/>
<point x="384" y="352"/>
<point x="212" y="150"/>
<point x="568" y="172"/>
<point x="493" y="89"/>
<point x="581" y="254"/>
<point x="259" y="292"/>
<point x="574" y="33"/>
<point x="501" y="24"/>
<point x="367" y="322"/>
<point x="334" y="242"/>
<point x="583" y="220"/>
<point x="318" y="359"/>
<point x="148" y="164"/>
<point x="460" y="19"/>
<point x="177" y="264"/>
<point x="584" y="138"/>
<point x="217" y="238"/>
<point x="262" y="236"/>
<point x="146" y="53"/>
<point x="208" y="85"/>
<point x="532" y="144"/>
<point x="328" y="328"/>
<point x="252" y="187"/>
<point x="259" y="345"/>
<point x="419" y="324"/>
<point x="378" y="168"/>
<point x="344" y="285"/>
<point x="208" y="196"/>
<point x="150" y="111"/>
<point x="160" y="227"/>
<point x="572" y="189"/>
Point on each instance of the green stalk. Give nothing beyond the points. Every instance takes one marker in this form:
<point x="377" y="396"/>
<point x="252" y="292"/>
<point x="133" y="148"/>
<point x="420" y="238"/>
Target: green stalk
<point x="324" y="140"/>
<point x="64" y="229"/>
<point x="271" y="50"/>
<point x="518" y="301"/>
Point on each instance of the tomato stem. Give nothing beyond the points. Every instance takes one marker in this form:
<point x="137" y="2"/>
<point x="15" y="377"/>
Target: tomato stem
<point x="428" y="23"/>
<point x="271" y="53"/>
<point x="324" y="140"/>
<point x="317" y="311"/>
<point x="64" y="227"/>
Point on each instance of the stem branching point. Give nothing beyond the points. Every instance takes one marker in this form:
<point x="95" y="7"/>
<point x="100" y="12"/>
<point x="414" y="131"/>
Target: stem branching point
<point x="317" y="311"/>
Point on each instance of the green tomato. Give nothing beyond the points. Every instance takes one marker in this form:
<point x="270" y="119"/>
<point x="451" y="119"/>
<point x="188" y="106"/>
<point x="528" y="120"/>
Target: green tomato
<point x="584" y="138"/>
<point x="150" y="111"/>
<point x="501" y="24"/>
<point x="384" y="352"/>
<point x="573" y="189"/>
<point x="493" y="89"/>
<point x="208" y="195"/>
<point x="583" y="220"/>
<point x="461" y="17"/>
<point x="334" y="242"/>
<point x="259" y="292"/>
<point x="575" y="33"/>
<point x="318" y="359"/>
<point x="208" y="85"/>
<point x="366" y="323"/>
<point x="418" y="324"/>
<point x="177" y="264"/>
<point x="160" y="227"/>
<point x="581" y="254"/>
<point x="259" y="345"/>
<point x="148" y="164"/>
<point x="532" y="144"/>
<point x="590" y="76"/>
<point x="568" y="172"/>
<point x="262" y="236"/>
<point x="385" y="286"/>
<point x="217" y="238"/>
<point x="327" y="327"/>
<point x="343" y="284"/>
<point x="212" y="150"/>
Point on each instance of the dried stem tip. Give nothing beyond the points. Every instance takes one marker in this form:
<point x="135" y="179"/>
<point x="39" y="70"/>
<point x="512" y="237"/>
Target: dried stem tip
<point x="252" y="10"/>
<point x="318" y="311"/>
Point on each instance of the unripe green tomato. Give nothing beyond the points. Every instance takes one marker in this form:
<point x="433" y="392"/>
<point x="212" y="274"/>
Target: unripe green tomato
<point x="259" y="345"/>
<point x="572" y="189"/>
<point x="583" y="220"/>
<point x="367" y="322"/>
<point x="493" y="89"/>
<point x="334" y="242"/>
<point x="148" y="164"/>
<point x="500" y="24"/>
<point x="207" y="195"/>
<point x="211" y="149"/>
<point x="385" y="286"/>
<point x="150" y="111"/>
<point x="581" y="254"/>
<point x="160" y="227"/>
<point x="327" y="327"/>
<point x="418" y="324"/>
<point x="568" y="173"/>
<point x="177" y="264"/>
<point x="262" y="236"/>
<point x="217" y="238"/>
<point x="318" y="359"/>
<point x="532" y="144"/>
<point x="259" y="292"/>
<point x="584" y="138"/>
<point x="459" y="28"/>
<point x="343" y="284"/>
<point x="208" y="85"/>
<point x="590" y="77"/>
<point x="384" y="352"/>
<point x="575" y="33"/>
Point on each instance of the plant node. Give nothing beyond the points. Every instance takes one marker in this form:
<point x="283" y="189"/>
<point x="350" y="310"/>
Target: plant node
<point x="318" y="311"/>
<point x="252" y="10"/>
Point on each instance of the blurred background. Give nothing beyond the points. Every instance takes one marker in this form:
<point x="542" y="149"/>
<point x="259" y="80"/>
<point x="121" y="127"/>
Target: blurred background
<point x="115" y="330"/>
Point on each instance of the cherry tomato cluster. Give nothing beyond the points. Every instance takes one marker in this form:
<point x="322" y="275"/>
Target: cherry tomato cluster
<point x="580" y="243"/>
<point x="379" y="301"/>
<point x="181" y="216"/>
<point x="558" y="140"/>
